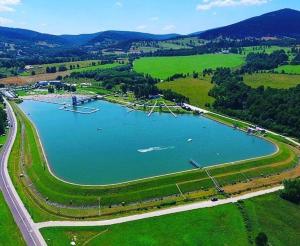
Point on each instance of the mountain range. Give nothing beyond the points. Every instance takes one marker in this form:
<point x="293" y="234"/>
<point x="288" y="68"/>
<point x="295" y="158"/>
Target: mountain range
<point x="281" y="23"/>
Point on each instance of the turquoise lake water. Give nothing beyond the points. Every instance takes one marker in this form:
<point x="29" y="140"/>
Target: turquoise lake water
<point x="112" y="145"/>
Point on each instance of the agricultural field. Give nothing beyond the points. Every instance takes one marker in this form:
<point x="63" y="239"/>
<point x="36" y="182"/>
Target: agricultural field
<point x="281" y="221"/>
<point x="93" y="68"/>
<point x="40" y="69"/>
<point x="164" y="67"/>
<point x="195" y="89"/>
<point x="264" y="49"/>
<point x="214" y="226"/>
<point x="221" y="225"/>
<point x="9" y="233"/>
<point x="151" y="46"/>
<point x="279" y="81"/>
<point x="290" y="69"/>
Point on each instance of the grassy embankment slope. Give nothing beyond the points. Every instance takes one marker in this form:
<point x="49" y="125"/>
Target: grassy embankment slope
<point x="195" y="89"/>
<point x="164" y="67"/>
<point x="222" y="225"/>
<point x="9" y="232"/>
<point x="195" y="184"/>
<point x="277" y="81"/>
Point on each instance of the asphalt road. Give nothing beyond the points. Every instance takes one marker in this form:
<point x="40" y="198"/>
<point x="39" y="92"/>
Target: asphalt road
<point x="22" y="218"/>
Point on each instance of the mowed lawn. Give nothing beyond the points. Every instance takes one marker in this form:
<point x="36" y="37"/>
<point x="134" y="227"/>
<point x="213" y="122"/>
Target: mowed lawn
<point x="221" y="225"/>
<point x="195" y="89"/>
<point x="291" y="69"/>
<point x="97" y="67"/>
<point x="164" y="67"/>
<point x="280" y="81"/>
<point x="9" y="232"/>
<point x="278" y="218"/>
<point x="213" y="226"/>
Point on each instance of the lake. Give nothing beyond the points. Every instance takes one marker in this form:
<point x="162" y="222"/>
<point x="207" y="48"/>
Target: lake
<point x="113" y="146"/>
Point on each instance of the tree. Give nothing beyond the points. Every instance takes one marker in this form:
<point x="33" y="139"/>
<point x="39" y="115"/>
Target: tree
<point x="51" y="89"/>
<point x="261" y="239"/>
<point x="291" y="191"/>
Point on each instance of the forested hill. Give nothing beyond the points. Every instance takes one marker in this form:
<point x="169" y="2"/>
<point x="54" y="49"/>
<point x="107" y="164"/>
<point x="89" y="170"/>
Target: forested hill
<point x="281" y="23"/>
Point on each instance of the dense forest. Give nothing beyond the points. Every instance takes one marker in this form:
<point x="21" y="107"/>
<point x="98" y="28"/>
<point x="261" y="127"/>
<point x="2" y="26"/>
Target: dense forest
<point x="263" y="61"/>
<point x="276" y="109"/>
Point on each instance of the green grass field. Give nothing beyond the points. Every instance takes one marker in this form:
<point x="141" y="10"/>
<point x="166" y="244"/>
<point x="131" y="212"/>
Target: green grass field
<point x="291" y="69"/>
<point x="40" y="69"/>
<point x="214" y="226"/>
<point x="9" y="232"/>
<point x="222" y="225"/>
<point x="195" y="89"/>
<point x="278" y="218"/>
<point x="97" y="67"/>
<point x="280" y="81"/>
<point x="264" y="49"/>
<point x="164" y="67"/>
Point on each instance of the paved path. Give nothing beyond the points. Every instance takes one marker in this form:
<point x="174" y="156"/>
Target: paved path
<point x="22" y="218"/>
<point x="178" y="209"/>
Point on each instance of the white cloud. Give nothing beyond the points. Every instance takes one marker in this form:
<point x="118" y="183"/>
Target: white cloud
<point x="154" y="18"/>
<point x="209" y="4"/>
<point x="7" y="5"/>
<point x="169" y="28"/>
<point x="119" y="4"/>
<point x="141" y="27"/>
<point x="5" y="21"/>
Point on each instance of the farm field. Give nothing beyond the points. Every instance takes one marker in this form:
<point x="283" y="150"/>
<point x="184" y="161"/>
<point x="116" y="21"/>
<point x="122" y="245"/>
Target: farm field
<point x="265" y="49"/>
<point x="279" y="81"/>
<point x="214" y="226"/>
<point x="195" y="89"/>
<point x="9" y="233"/>
<point x="21" y="80"/>
<point x="40" y="69"/>
<point x="281" y="221"/>
<point x="291" y="69"/>
<point x="222" y="225"/>
<point x="164" y="67"/>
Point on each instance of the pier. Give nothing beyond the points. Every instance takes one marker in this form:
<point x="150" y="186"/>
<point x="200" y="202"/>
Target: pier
<point x="195" y="164"/>
<point x="170" y="110"/>
<point x="80" y="101"/>
<point x="152" y="109"/>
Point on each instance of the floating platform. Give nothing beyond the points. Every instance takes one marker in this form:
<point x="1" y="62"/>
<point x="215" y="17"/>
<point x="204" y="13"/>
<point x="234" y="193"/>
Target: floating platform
<point x="73" y="109"/>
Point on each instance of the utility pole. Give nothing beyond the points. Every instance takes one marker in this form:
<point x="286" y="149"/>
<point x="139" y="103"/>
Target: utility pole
<point x="99" y="207"/>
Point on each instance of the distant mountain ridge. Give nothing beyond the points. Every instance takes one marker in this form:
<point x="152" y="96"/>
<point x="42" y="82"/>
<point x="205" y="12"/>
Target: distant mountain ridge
<point x="281" y="23"/>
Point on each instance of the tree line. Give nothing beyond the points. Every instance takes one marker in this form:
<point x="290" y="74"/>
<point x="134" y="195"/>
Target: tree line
<point x="274" y="109"/>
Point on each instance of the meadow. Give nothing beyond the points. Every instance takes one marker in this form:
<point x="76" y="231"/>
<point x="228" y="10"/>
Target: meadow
<point x="290" y="69"/>
<point x="264" y="49"/>
<point x="164" y="67"/>
<point x="278" y="81"/>
<point x="215" y="226"/>
<point x="221" y="225"/>
<point x="195" y="89"/>
<point x="9" y="232"/>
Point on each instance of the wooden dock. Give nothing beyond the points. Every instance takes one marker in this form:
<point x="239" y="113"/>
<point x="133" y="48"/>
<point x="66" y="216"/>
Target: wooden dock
<point x="195" y="164"/>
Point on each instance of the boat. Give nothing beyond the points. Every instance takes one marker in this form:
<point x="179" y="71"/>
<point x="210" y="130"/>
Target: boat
<point x="190" y="140"/>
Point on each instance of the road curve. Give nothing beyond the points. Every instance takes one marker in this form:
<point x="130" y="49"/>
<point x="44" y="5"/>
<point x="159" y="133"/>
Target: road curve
<point x="30" y="233"/>
<point x="178" y="209"/>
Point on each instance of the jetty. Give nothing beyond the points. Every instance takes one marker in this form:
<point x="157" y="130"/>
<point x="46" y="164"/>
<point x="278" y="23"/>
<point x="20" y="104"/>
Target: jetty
<point x="170" y="110"/>
<point x="195" y="164"/>
<point x="152" y="109"/>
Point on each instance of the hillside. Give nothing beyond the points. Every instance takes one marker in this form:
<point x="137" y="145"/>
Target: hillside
<point x="281" y="23"/>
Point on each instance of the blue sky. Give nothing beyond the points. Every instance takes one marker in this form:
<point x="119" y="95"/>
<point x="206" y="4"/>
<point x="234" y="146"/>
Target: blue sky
<point x="154" y="16"/>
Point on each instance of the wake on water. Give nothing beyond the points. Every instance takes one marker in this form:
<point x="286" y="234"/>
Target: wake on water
<point x="154" y="149"/>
